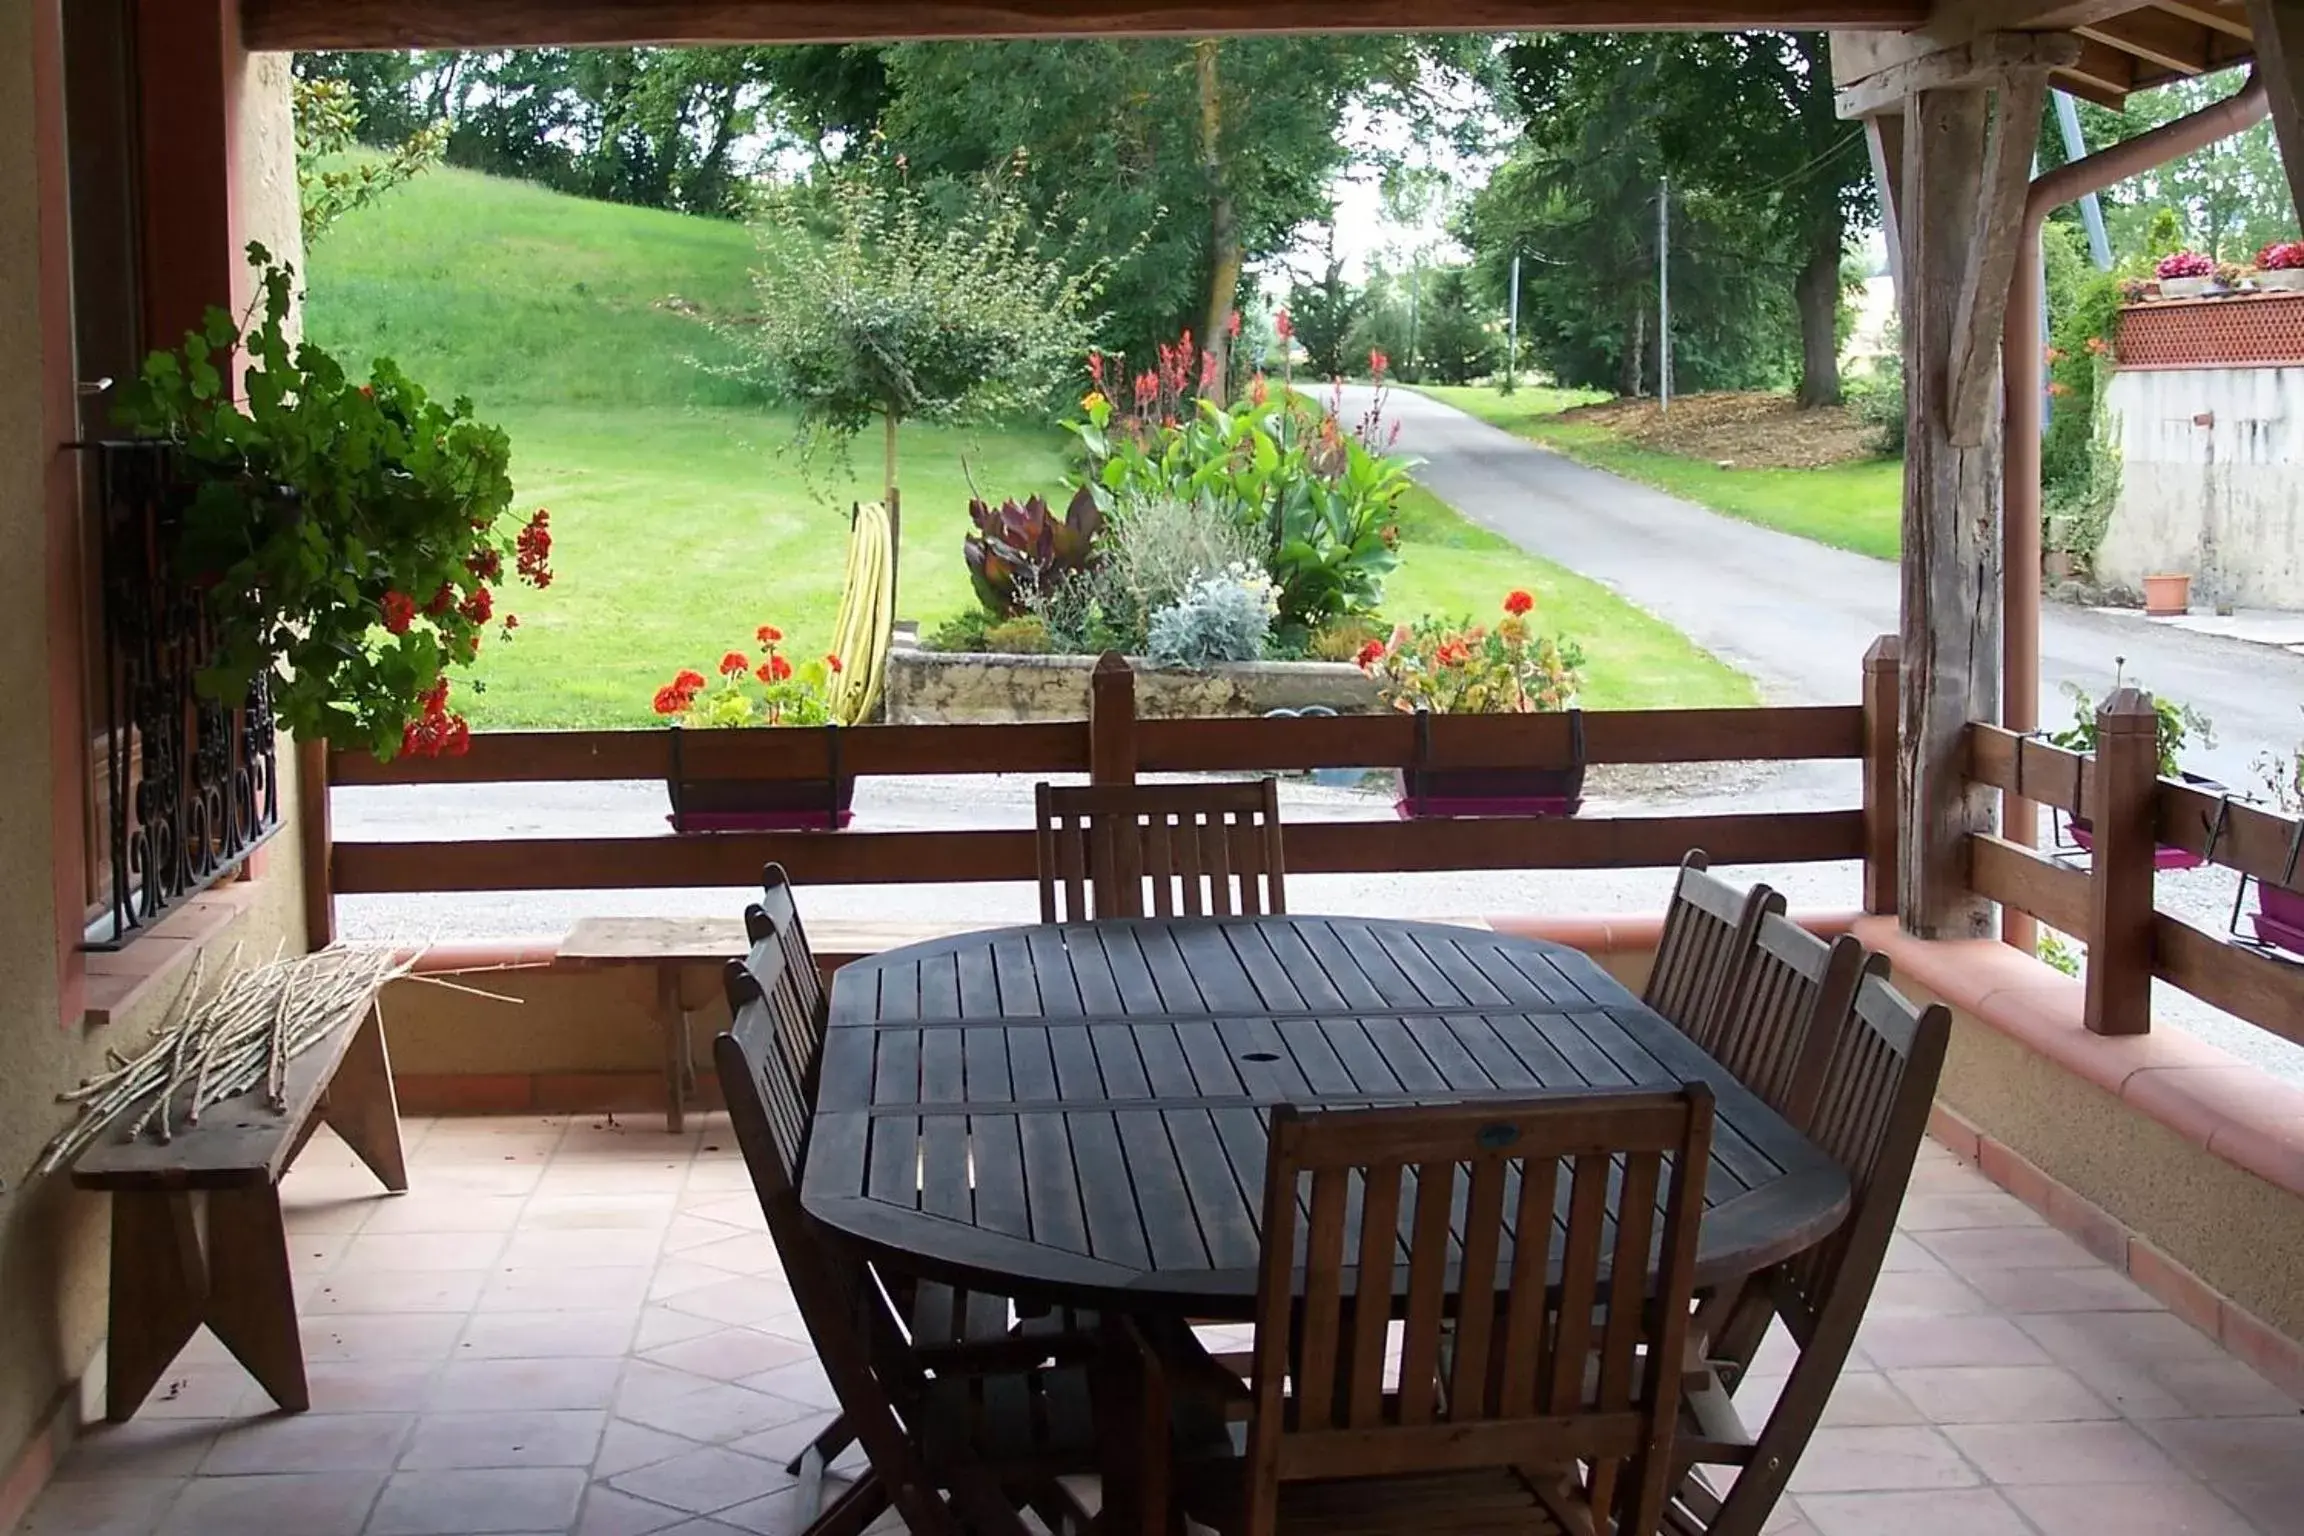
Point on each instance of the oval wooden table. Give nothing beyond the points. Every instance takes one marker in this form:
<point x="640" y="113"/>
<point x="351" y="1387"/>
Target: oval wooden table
<point x="1076" y="1113"/>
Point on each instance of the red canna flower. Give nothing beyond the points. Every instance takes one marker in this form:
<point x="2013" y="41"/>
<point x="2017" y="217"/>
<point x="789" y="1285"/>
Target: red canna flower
<point x="1211" y="376"/>
<point x="769" y="634"/>
<point x="1096" y="367"/>
<point x="399" y="611"/>
<point x="1378" y="364"/>
<point x="779" y="669"/>
<point x="1284" y="325"/>
<point x="1258" y="390"/>
<point x="733" y="664"/>
<point x="1518" y="602"/>
<point x="833" y="663"/>
<point x="1232" y="323"/>
<point x="1147" y="388"/>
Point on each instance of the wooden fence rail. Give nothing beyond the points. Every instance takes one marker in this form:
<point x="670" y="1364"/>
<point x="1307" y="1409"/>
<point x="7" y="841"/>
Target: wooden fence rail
<point x="2109" y="904"/>
<point x="1112" y="745"/>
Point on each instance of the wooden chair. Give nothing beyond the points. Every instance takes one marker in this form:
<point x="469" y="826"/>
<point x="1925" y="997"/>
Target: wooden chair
<point x="1878" y="1083"/>
<point x="1783" y="1009"/>
<point x="950" y="1328"/>
<point x="929" y="1438"/>
<point x="1505" y="1418"/>
<point x="1102" y="845"/>
<point x="1708" y="930"/>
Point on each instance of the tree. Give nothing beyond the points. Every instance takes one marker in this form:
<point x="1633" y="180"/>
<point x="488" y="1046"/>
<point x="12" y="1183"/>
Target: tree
<point x="2230" y="199"/>
<point x="1742" y="123"/>
<point x="875" y="304"/>
<point x="1324" y="314"/>
<point x="327" y="126"/>
<point x="1455" y="343"/>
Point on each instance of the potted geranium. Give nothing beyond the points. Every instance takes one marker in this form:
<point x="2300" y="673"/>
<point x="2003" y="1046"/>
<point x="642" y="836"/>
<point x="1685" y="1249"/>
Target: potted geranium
<point x="349" y="540"/>
<point x="2186" y="275"/>
<point x="771" y="691"/>
<point x="2280" y="909"/>
<point x="2280" y="265"/>
<point x="1447" y="667"/>
<point x="2175" y="727"/>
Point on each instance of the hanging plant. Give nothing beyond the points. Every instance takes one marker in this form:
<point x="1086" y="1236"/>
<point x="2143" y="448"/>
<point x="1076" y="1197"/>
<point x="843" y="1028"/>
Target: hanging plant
<point x="351" y="539"/>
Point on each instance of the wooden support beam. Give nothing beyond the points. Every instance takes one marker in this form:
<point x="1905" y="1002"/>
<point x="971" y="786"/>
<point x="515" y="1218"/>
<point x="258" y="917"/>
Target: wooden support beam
<point x="1112" y="721"/>
<point x="2278" y="27"/>
<point x="2169" y="41"/>
<point x="1952" y="498"/>
<point x="1884" y="138"/>
<point x="2229" y="19"/>
<point x="2102" y="74"/>
<point x="1995" y="234"/>
<point x="1882" y="664"/>
<point x="2125" y="817"/>
<point x="299" y="25"/>
<point x="1988" y="60"/>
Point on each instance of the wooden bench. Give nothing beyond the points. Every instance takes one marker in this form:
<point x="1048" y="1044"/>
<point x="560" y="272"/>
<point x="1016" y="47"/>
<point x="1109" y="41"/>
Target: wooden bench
<point x="197" y="1235"/>
<point x="675" y="946"/>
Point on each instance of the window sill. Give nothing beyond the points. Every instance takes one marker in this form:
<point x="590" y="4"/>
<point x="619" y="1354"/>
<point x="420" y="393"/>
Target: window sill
<point x="120" y="980"/>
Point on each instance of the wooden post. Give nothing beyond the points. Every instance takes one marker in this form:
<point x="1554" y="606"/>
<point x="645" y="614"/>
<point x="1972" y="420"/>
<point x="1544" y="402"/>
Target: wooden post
<point x="315" y="829"/>
<point x="1881" y="667"/>
<point x="1884" y="138"/>
<point x="2119" y="1000"/>
<point x="1112" y="721"/>
<point x="1965" y="174"/>
<point x="2277" y="29"/>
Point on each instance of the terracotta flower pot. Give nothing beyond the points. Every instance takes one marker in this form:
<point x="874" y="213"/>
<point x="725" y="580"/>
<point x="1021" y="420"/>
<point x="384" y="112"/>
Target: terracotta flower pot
<point x="2167" y="596"/>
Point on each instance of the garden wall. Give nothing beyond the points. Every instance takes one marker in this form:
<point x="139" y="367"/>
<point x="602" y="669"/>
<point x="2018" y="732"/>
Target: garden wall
<point x="970" y="688"/>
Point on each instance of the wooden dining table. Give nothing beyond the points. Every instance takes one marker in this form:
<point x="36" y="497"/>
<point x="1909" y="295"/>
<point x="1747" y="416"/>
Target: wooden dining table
<point x="1077" y="1113"/>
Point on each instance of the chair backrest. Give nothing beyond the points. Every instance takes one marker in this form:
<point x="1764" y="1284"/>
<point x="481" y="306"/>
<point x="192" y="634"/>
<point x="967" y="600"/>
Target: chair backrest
<point x="1871" y="1110"/>
<point x="846" y="1313"/>
<point x="1708" y="931"/>
<point x="1783" y="1009"/>
<point x="1200" y="850"/>
<point x="1423" y="1203"/>
<point x="778" y="911"/>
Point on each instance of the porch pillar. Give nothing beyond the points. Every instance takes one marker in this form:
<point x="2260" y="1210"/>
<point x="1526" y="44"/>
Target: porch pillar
<point x="2277" y="27"/>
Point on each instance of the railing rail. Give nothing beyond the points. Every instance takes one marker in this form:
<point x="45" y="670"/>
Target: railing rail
<point x="2109" y="904"/>
<point x="1113" y="745"/>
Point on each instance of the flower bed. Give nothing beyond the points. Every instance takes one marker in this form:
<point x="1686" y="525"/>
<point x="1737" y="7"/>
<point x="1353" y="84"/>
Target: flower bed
<point x="941" y="688"/>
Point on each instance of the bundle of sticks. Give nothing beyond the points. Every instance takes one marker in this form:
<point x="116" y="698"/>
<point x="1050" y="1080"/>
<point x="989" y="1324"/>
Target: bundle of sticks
<point x="215" y="1046"/>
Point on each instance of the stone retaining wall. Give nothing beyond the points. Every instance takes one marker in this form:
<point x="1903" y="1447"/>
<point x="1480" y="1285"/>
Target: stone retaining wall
<point x="968" y="688"/>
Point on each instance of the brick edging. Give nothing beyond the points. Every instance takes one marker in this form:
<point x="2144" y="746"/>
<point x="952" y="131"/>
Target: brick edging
<point x="2245" y="1336"/>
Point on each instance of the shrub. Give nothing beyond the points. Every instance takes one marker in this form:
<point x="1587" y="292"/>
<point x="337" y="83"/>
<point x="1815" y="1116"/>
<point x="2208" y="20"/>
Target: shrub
<point x="961" y="632"/>
<point x="1017" y="551"/>
<point x="1343" y="639"/>
<point x="1027" y="636"/>
<point x="1087" y="613"/>
<point x="1156" y="546"/>
<point x="1226" y="617"/>
<point x="1879" y="404"/>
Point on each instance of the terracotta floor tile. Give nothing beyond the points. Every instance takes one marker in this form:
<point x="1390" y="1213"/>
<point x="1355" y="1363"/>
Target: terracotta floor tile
<point x="705" y="1482"/>
<point x="609" y="1513"/>
<point x="802" y="1381"/>
<point x="308" y="1442"/>
<point x="106" y="1506"/>
<point x="306" y="1210"/>
<point x="1926" y="1212"/>
<point x="447" y="1290"/>
<point x="782" y="1442"/>
<point x="423" y="1210"/>
<point x="1893" y="1343"/>
<point x="730" y="1354"/>
<point x="717" y="1414"/>
<point x="553" y="1437"/>
<point x="745" y="1253"/>
<point x="1905" y="1255"/>
<point x="660" y="1325"/>
<point x="370" y="1386"/>
<point x="1963" y="1512"/>
<point x="741" y="1299"/>
<point x="200" y="1392"/>
<point x="546" y="1335"/>
<point x="2176" y="1509"/>
<point x="2140" y="1336"/>
<point x="2182" y="1389"/>
<point x="2107" y="1452"/>
<point x="310" y="1504"/>
<point x="1994" y="1394"/>
<point x="2236" y="1450"/>
<point x="374" y="1252"/>
<point x="2094" y="1289"/>
<point x="582" y="1248"/>
<point x="2005" y="1248"/>
<point x="555" y="1213"/>
<point x="625" y="1446"/>
<point x="2272" y="1506"/>
<point x="1925" y="1293"/>
<point x="401" y="1336"/>
<point x="1851" y="1460"/>
<point x="478" y="1386"/>
<point x="140" y="1448"/>
<point x="474" y="1503"/>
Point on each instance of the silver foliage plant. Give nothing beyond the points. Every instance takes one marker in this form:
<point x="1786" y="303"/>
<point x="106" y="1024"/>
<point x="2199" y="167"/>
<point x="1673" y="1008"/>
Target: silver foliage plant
<point x="1220" y="618"/>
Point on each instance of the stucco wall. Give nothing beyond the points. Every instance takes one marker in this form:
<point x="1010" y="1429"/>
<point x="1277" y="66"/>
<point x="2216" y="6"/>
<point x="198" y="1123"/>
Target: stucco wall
<point x="53" y="1246"/>
<point x="2212" y="467"/>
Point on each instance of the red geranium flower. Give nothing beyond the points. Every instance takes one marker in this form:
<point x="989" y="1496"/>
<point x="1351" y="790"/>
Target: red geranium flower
<point x="833" y="663"/>
<point x="689" y="680"/>
<point x="1370" y="654"/>
<point x="770" y="634"/>
<point x="733" y="664"/>
<point x="671" y="700"/>
<point x="399" y="611"/>
<point x="487" y="564"/>
<point x="480" y="606"/>
<point x="1517" y="602"/>
<point x="779" y="669"/>
<point x="511" y="622"/>
<point x="442" y="600"/>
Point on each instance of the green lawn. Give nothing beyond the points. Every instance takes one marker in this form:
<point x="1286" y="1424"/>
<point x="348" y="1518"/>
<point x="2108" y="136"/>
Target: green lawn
<point x="1850" y="506"/>
<point x="678" y="525"/>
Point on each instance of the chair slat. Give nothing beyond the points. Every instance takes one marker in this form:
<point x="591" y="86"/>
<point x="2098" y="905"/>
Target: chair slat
<point x="1708" y="930"/>
<point x="1203" y="849"/>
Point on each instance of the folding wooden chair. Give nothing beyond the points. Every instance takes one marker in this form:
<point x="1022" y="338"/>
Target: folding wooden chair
<point x="1546" y="1403"/>
<point x="1708" y="930"/>
<point x="1871" y="1110"/>
<point x="950" y="1327"/>
<point x="1202" y="850"/>
<point x="1784" y="1008"/>
<point x="929" y="1437"/>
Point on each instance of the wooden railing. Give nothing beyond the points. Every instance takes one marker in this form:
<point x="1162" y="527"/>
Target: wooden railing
<point x="1113" y="745"/>
<point x="2109" y="904"/>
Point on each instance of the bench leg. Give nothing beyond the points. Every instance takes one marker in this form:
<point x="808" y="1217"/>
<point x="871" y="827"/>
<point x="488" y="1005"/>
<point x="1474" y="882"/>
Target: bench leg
<point x="674" y="1019"/>
<point x="252" y="1293"/>
<point x="159" y="1293"/>
<point x="362" y="1107"/>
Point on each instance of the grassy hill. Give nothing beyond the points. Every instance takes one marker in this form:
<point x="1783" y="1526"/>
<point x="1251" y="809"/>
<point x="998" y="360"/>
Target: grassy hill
<point x="678" y="525"/>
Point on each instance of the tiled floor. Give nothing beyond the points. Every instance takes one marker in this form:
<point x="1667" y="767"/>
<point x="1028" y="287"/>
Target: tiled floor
<point x="579" y="1327"/>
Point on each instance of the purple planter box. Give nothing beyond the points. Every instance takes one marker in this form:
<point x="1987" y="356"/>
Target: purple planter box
<point x="754" y="805"/>
<point x="2163" y="856"/>
<point x="2280" y="918"/>
<point x="1457" y="792"/>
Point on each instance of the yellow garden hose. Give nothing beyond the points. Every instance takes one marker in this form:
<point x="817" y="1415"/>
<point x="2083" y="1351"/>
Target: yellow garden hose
<point x="867" y="621"/>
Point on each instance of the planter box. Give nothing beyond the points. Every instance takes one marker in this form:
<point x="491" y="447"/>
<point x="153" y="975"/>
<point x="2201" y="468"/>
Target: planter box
<point x="2163" y="856"/>
<point x="2280" y="917"/>
<point x="1450" y="792"/>
<point x="972" y="688"/>
<point x="760" y="805"/>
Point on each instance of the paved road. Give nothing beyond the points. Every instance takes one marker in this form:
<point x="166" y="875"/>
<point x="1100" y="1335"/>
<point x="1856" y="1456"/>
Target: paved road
<point x="1798" y="617"/>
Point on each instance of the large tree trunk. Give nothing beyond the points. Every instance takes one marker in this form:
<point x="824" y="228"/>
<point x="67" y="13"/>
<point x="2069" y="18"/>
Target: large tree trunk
<point x="1817" y="294"/>
<point x="1634" y="369"/>
<point x="1224" y="253"/>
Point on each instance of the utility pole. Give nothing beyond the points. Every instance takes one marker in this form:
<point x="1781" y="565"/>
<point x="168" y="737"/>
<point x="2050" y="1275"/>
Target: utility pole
<point x="1663" y="294"/>
<point x="1512" y="345"/>
<point x="1415" y="289"/>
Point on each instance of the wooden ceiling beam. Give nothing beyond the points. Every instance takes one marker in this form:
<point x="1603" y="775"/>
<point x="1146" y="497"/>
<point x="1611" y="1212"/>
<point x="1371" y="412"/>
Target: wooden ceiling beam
<point x="1987" y="60"/>
<point x="288" y="25"/>
<point x="2102" y="68"/>
<point x="2231" y="20"/>
<point x="2087" y="88"/>
<point x="2164" y="39"/>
